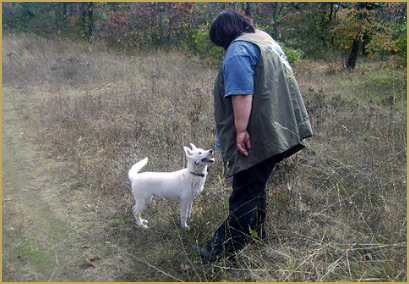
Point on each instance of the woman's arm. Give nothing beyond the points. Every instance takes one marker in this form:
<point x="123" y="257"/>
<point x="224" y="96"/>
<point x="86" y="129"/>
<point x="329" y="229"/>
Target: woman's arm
<point x="242" y="110"/>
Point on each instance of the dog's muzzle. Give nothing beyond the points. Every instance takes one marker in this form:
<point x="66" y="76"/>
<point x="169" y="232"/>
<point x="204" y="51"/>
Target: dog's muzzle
<point x="208" y="159"/>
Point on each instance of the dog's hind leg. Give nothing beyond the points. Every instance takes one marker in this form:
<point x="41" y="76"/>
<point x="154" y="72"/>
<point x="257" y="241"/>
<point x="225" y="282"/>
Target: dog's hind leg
<point x="138" y="208"/>
<point x="185" y="210"/>
<point x="139" y="221"/>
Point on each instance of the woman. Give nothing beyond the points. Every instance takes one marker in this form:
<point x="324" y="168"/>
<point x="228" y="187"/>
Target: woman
<point x="260" y="119"/>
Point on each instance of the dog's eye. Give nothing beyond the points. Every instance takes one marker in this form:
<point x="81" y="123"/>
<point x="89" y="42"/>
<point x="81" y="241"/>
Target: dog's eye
<point x="200" y="153"/>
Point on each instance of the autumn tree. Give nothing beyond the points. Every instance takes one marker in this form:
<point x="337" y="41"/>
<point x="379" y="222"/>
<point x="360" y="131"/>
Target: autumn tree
<point x="87" y="20"/>
<point x="371" y="29"/>
<point x="308" y="26"/>
<point x="361" y="20"/>
<point x="269" y="16"/>
<point x="147" y="24"/>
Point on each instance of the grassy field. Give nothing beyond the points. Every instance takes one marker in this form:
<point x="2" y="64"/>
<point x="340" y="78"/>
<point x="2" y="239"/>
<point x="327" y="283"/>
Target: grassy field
<point x="336" y="211"/>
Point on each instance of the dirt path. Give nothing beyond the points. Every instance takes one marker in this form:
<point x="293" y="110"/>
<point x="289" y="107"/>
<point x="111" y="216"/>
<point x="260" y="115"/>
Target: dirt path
<point x="41" y="241"/>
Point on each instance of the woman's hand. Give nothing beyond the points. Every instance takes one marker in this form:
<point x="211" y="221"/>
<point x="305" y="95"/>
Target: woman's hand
<point x="242" y="105"/>
<point x="243" y="142"/>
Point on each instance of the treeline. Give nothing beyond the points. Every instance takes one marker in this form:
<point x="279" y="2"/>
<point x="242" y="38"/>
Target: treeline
<point x="312" y="30"/>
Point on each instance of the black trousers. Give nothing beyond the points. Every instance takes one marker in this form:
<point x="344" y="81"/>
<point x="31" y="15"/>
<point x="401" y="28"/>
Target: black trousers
<point x="247" y="210"/>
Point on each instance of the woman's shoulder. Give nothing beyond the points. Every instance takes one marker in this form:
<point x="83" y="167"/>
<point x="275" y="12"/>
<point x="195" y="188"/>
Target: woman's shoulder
<point x="245" y="48"/>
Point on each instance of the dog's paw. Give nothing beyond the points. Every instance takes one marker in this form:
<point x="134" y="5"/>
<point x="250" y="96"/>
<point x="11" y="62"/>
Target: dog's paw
<point x="186" y="227"/>
<point x="144" y="222"/>
<point x="143" y="226"/>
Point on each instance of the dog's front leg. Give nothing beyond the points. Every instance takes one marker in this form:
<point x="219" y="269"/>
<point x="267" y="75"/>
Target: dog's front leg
<point x="189" y="211"/>
<point x="185" y="208"/>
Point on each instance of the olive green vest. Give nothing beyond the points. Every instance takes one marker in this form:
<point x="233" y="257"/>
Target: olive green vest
<point x="278" y="122"/>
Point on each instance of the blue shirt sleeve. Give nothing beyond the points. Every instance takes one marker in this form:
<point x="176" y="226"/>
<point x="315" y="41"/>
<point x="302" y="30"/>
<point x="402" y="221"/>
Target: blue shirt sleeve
<point x="239" y="68"/>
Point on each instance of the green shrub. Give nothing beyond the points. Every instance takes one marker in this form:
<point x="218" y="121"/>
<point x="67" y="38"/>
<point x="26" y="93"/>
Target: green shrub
<point x="200" y="44"/>
<point x="293" y="55"/>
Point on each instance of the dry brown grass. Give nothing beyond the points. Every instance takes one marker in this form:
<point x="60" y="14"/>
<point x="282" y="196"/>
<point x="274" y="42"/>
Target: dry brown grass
<point x="337" y="211"/>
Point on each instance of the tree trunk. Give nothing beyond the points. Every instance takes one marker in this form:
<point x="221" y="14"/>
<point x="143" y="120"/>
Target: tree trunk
<point x="90" y="22"/>
<point x="247" y="9"/>
<point x="276" y="12"/>
<point x="84" y="15"/>
<point x="357" y="44"/>
<point x="353" y="55"/>
<point x="87" y="13"/>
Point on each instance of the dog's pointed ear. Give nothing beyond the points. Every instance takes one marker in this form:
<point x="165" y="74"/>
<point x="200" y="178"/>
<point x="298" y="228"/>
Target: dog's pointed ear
<point x="188" y="152"/>
<point x="193" y="146"/>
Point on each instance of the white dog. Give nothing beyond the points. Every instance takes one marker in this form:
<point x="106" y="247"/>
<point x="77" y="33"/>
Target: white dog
<point x="184" y="185"/>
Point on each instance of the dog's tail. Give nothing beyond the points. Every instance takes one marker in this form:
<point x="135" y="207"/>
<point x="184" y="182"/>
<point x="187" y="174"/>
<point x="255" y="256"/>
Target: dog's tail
<point x="136" y="168"/>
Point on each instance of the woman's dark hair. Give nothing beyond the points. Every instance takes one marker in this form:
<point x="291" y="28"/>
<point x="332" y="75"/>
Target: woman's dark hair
<point x="228" y="26"/>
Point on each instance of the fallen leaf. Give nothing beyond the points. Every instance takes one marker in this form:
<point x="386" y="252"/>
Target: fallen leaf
<point x="9" y="268"/>
<point x="85" y="246"/>
<point x="97" y="257"/>
<point x="185" y="267"/>
<point x="89" y="263"/>
<point x="7" y="199"/>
